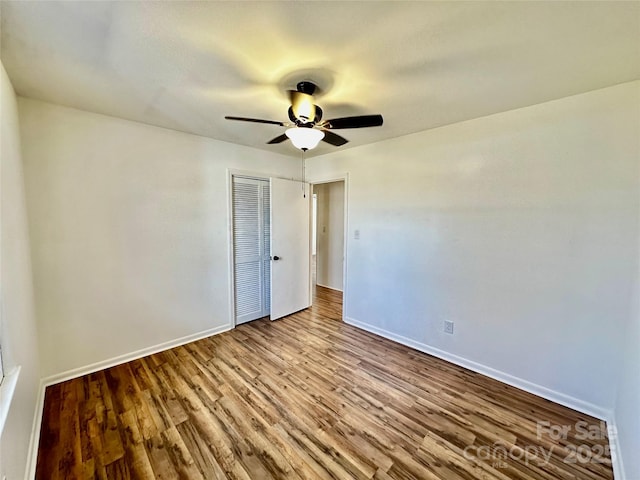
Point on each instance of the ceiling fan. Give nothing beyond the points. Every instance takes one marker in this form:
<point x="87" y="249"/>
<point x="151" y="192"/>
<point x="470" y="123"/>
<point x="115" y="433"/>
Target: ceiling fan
<point x="306" y="127"/>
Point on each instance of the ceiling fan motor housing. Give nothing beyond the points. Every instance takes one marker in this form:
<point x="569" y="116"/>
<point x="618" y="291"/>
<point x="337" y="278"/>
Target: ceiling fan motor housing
<point x="304" y="122"/>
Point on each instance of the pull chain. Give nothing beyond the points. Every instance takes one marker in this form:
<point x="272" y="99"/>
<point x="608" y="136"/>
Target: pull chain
<point x="304" y="193"/>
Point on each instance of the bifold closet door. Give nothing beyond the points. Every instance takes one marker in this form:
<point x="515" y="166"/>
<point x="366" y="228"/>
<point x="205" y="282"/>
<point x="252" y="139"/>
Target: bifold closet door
<point x="251" y="243"/>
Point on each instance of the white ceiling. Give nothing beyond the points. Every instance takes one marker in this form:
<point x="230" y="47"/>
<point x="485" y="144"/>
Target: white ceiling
<point x="185" y="65"/>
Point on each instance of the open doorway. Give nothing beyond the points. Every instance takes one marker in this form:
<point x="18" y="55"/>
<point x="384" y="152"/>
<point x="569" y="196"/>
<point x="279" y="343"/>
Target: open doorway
<point x="328" y="246"/>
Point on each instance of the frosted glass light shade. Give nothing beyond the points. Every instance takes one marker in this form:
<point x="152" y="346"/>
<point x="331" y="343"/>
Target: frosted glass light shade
<point x="304" y="138"/>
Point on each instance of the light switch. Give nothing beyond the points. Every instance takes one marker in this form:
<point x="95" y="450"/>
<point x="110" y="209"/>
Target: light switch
<point x="356" y="234"/>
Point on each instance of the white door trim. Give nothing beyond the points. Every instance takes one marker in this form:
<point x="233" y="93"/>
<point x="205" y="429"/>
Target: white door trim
<point x="341" y="177"/>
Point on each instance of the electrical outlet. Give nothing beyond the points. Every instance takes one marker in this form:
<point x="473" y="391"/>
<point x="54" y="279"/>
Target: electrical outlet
<point x="448" y="327"/>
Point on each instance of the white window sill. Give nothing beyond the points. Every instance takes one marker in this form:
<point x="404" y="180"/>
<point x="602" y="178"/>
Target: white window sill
<point x="7" y="389"/>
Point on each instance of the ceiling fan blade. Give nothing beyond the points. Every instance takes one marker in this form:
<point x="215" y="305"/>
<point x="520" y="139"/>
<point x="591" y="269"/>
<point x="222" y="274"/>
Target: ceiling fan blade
<point x="354" y="122"/>
<point x="278" y="139"/>
<point x="334" y="139"/>
<point x="255" y="120"/>
<point x="302" y="106"/>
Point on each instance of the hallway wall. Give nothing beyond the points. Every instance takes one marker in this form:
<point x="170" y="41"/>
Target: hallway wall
<point x="330" y="234"/>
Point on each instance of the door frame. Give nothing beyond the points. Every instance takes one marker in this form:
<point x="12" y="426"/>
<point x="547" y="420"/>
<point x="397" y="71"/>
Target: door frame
<point x="233" y="172"/>
<point x="339" y="177"/>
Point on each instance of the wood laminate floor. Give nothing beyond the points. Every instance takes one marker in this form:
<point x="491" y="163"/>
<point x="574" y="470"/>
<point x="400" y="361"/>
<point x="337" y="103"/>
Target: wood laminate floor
<point x="307" y="397"/>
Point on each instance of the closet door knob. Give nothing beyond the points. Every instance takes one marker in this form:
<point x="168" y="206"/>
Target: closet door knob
<point x="275" y="257"/>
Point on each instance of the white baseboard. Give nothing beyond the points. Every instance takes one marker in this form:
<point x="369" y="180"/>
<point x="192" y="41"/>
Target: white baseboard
<point x="94" y="367"/>
<point x="34" y="441"/>
<point x="614" y="445"/>
<point x="539" y="390"/>
<point x="546" y="393"/>
<point x="557" y="397"/>
<point x="128" y="357"/>
<point x="327" y="286"/>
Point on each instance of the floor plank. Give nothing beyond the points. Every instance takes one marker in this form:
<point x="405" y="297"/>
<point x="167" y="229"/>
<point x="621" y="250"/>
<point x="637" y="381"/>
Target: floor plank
<point x="306" y="397"/>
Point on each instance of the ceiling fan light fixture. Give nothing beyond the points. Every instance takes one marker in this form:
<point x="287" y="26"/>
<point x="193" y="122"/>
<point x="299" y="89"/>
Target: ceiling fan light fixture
<point x="304" y="138"/>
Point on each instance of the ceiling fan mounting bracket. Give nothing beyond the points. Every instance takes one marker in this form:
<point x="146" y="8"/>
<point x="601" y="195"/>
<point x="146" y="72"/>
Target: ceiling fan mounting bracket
<point x="306" y="87"/>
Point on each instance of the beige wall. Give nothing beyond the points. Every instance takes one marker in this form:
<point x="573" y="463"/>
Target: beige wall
<point x="17" y="321"/>
<point x="627" y="410"/>
<point x="521" y="227"/>
<point x="330" y="234"/>
<point x="129" y="232"/>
